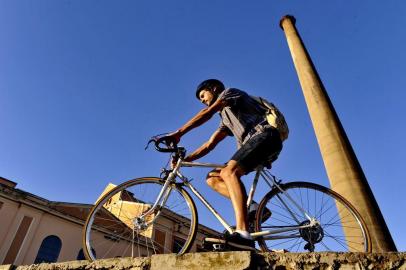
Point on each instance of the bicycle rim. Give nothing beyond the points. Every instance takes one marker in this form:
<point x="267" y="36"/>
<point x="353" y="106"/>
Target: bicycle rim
<point x="340" y="229"/>
<point x="114" y="227"/>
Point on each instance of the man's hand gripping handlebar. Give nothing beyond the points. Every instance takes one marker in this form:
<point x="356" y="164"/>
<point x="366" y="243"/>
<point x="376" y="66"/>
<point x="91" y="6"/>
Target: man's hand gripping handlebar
<point x="168" y="144"/>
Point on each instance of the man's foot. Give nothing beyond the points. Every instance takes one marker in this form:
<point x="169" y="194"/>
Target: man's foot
<point x="252" y="212"/>
<point x="237" y="242"/>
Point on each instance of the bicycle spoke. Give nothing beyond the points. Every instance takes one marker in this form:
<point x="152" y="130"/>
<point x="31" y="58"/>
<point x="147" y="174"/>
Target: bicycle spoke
<point x="338" y="241"/>
<point x="338" y="215"/>
<point x="287" y="241"/>
<point x="324" y="245"/>
<point x="138" y="245"/>
<point x="280" y="214"/>
<point x="337" y="227"/>
<point x="131" y="200"/>
<point x="325" y="210"/>
<point x="343" y="240"/>
<point x="314" y="200"/>
<point x="307" y="197"/>
<point x="298" y="245"/>
<point x="283" y="208"/>
<point x="283" y="221"/>
<point x="301" y="198"/>
<point x="294" y="244"/>
<point x="323" y="205"/>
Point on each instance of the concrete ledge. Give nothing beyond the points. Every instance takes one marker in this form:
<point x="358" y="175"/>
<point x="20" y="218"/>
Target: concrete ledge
<point x="116" y="264"/>
<point x="204" y="260"/>
<point x="235" y="261"/>
<point x="332" y="261"/>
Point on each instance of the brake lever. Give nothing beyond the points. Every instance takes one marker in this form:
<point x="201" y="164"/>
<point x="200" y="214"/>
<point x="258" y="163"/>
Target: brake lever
<point x="154" y="139"/>
<point x="149" y="142"/>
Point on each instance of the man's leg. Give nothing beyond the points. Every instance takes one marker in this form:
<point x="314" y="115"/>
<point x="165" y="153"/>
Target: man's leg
<point x="217" y="183"/>
<point x="251" y="154"/>
<point x="226" y="181"/>
<point x="231" y="175"/>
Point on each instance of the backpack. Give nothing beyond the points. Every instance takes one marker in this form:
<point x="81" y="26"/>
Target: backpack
<point x="274" y="117"/>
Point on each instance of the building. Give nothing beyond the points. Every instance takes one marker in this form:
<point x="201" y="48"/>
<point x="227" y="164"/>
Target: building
<point x="34" y="229"/>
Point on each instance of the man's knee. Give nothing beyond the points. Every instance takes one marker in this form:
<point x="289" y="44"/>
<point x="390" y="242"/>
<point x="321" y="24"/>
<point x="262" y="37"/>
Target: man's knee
<point x="211" y="181"/>
<point x="231" y="170"/>
<point x="213" y="177"/>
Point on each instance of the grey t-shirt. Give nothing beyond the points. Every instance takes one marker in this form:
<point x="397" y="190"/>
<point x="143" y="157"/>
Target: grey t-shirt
<point x="241" y="114"/>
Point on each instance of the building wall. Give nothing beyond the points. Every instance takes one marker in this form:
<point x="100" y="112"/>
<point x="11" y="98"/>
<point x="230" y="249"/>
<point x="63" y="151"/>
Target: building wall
<point x="12" y="213"/>
<point x="70" y="234"/>
<point x="22" y="248"/>
<point x="42" y="225"/>
<point x="8" y="212"/>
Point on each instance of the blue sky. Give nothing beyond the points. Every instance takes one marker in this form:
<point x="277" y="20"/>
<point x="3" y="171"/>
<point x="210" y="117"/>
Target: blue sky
<point x="84" y="84"/>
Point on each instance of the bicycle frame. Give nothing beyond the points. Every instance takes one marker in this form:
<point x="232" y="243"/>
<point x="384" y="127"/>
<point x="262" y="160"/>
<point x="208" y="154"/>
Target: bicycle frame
<point x="268" y="178"/>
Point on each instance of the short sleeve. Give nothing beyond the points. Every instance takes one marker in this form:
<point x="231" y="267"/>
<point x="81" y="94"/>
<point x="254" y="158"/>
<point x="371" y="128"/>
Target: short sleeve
<point x="231" y="96"/>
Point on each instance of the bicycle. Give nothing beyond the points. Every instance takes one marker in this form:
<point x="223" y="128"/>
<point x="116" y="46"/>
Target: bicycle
<point x="293" y="216"/>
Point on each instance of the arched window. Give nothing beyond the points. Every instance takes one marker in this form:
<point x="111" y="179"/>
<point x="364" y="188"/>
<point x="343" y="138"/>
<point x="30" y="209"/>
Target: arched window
<point x="49" y="249"/>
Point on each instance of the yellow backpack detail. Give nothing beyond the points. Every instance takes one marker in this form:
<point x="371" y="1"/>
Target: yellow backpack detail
<point x="274" y="117"/>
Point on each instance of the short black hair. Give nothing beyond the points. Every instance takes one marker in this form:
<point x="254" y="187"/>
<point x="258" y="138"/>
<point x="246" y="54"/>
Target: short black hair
<point x="211" y="84"/>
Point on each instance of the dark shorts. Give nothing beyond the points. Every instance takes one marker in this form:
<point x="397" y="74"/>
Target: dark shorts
<point x="259" y="150"/>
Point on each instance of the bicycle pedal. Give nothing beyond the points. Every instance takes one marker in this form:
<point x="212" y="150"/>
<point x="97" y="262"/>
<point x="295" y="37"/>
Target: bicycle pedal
<point x="211" y="240"/>
<point x="214" y="244"/>
<point x="219" y="247"/>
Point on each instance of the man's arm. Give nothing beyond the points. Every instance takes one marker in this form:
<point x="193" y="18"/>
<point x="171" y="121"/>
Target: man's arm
<point x="199" y="119"/>
<point x="206" y="148"/>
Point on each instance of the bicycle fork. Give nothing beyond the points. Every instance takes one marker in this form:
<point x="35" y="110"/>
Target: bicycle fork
<point x="161" y="198"/>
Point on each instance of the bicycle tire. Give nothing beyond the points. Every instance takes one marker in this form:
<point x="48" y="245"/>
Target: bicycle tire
<point x="110" y="229"/>
<point x="343" y="229"/>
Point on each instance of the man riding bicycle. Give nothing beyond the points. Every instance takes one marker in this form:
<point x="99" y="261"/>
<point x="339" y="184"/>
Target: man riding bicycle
<point x="244" y="118"/>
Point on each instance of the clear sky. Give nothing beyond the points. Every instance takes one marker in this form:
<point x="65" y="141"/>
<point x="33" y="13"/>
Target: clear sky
<point x="84" y="84"/>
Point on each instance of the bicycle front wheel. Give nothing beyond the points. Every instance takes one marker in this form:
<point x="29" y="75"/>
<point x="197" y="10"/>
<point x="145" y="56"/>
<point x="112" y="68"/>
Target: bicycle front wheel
<point x="117" y="225"/>
<point x="339" y="226"/>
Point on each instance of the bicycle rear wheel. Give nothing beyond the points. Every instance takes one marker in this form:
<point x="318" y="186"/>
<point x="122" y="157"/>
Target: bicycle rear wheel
<point x="340" y="227"/>
<point x="114" y="227"/>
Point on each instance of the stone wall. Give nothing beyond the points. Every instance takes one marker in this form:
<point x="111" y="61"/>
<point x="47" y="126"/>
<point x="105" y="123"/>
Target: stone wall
<point x="235" y="261"/>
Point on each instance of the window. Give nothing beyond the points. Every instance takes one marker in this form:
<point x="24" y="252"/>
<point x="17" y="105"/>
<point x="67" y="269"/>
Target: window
<point x="160" y="240"/>
<point x="81" y="255"/>
<point x="49" y="249"/>
<point x="178" y="243"/>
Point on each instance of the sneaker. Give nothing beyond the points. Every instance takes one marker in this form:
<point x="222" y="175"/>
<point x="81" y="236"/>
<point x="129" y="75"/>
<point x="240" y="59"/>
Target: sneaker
<point x="237" y="242"/>
<point x="252" y="212"/>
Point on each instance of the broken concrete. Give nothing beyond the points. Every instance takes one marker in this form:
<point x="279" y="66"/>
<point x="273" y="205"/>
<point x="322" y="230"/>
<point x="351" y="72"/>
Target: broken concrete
<point x="236" y="260"/>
